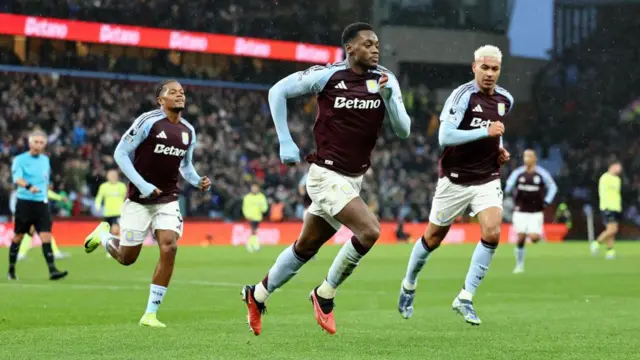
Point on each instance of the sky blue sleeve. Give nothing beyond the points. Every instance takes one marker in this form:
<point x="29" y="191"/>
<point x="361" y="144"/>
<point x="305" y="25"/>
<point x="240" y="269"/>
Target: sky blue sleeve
<point x="511" y="181"/>
<point x="125" y="149"/>
<point x="550" y="184"/>
<point x="187" y="170"/>
<point x="16" y="169"/>
<point x="311" y="80"/>
<point x="400" y="120"/>
<point x="450" y="135"/>
<point x="451" y="117"/>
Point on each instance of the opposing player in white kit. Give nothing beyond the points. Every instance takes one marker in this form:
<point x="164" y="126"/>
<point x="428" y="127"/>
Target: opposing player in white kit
<point x="471" y="127"/>
<point x="534" y="191"/>
<point x="161" y="145"/>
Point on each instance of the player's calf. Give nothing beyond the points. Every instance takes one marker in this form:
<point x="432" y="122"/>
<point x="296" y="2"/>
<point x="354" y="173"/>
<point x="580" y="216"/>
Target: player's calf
<point x="429" y="242"/>
<point x="490" y="223"/>
<point x="366" y="230"/>
<point x="315" y="232"/>
<point x="168" y="244"/>
<point x="519" y="254"/>
<point x="535" y="238"/>
<point x="167" y="241"/>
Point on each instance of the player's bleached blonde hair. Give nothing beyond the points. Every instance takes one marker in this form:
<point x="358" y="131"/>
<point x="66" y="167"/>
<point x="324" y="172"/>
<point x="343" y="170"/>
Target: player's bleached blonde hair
<point x="487" y="51"/>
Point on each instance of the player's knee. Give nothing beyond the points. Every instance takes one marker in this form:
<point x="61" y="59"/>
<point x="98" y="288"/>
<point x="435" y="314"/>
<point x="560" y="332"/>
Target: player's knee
<point x="370" y="234"/>
<point x="491" y="234"/>
<point x="128" y="260"/>
<point x="434" y="235"/>
<point x="169" y="249"/>
<point x="306" y="251"/>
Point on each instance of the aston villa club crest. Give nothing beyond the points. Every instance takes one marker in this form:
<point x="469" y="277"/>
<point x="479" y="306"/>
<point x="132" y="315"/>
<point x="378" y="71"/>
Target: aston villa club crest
<point x="185" y="138"/>
<point x="372" y="86"/>
<point x="502" y="109"/>
<point x="536" y="179"/>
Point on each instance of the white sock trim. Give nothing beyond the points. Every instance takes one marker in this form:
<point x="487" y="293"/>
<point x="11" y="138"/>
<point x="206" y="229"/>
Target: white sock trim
<point x="409" y="286"/>
<point x="326" y="291"/>
<point x="260" y="293"/>
<point x="105" y="237"/>
<point x="465" y="295"/>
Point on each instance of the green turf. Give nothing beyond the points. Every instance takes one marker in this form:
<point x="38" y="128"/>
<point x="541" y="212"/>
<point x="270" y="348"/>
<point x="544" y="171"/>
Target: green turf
<point x="568" y="305"/>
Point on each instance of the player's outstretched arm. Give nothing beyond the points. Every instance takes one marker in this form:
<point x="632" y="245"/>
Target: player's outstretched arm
<point x="303" y="82"/>
<point x="187" y="170"/>
<point x="392" y="97"/>
<point x="550" y="184"/>
<point x="127" y="145"/>
<point x="511" y="181"/>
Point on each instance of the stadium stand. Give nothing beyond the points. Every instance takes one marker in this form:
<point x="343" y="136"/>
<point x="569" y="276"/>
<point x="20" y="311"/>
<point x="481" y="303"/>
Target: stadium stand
<point x="569" y="131"/>
<point x="85" y="118"/>
<point x="586" y="111"/>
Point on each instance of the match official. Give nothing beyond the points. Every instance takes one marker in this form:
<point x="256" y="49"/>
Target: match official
<point x="31" y="173"/>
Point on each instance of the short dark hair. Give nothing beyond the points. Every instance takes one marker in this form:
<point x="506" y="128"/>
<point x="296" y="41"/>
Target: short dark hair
<point x="161" y="86"/>
<point x="351" y="31"/>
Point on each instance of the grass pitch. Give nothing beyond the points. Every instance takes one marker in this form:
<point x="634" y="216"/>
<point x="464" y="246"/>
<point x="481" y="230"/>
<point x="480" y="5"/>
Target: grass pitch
<point x="568" y="305"/>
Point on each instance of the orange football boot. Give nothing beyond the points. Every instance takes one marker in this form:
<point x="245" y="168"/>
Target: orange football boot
<point x="255" y="309"/>
<point x="325" y="320"/>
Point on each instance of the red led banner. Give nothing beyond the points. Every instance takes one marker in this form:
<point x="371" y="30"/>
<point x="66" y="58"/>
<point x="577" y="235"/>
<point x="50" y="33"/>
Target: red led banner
<point x="92" y="32"/>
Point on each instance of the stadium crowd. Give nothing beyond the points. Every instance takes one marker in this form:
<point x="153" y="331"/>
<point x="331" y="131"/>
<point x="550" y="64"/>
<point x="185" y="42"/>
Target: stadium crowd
<point x="85" y="118"/>
<point x="585" y="100"/>
<point x="237" y="144"/>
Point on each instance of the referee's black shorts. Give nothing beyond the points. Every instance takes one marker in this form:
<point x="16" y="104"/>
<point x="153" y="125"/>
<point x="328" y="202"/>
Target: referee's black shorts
<point x="29" y="213"/>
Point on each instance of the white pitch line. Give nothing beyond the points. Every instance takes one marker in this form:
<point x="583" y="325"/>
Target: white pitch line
<point x="239" y="285"/>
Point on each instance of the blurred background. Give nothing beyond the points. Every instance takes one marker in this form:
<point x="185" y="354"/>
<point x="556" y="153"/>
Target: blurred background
<point x="83" y="70"/>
